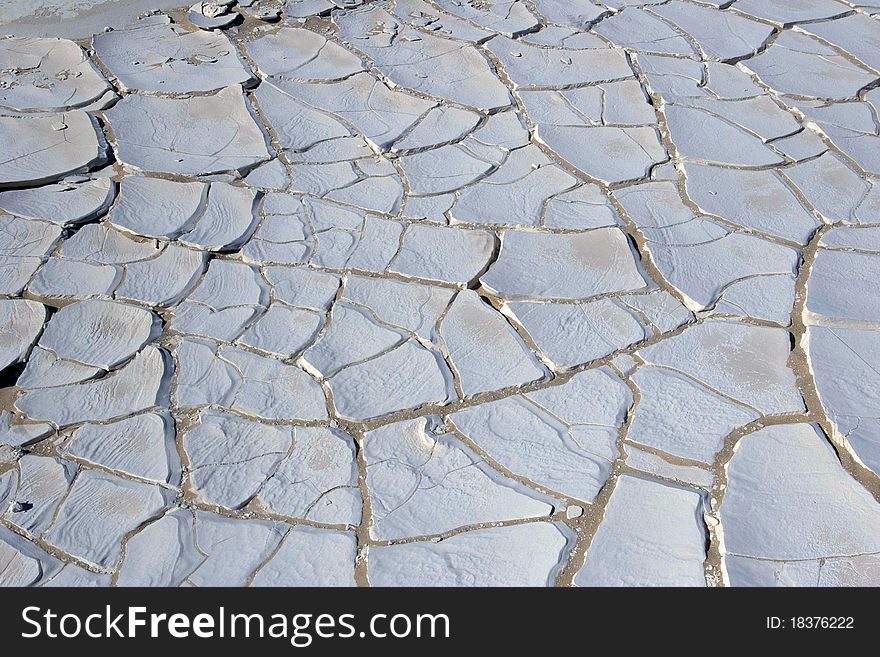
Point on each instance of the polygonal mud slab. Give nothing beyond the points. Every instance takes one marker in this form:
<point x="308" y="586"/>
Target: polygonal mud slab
<point x="140" y="446"/>
<point x="709" y="263"/>
<point x="562" y="438"/>
<point x="790" y="509"/>
<point x="99" y="333"/>
<point x="800" y="65"/>
<point x="510" y="17"/>
<point x="317" y="480"/>
<point x="681" y="416"/>
<point x="34" y="494"/>
<point x="380" y="114"/>
<point x="570" y="334"/>
<point x="406" y="377"/>
<point x="521" y="555"/>
<point x="297" y="54"/>
<point x="198" y="549"/>
<point x="567" y="266"/>
<point x="231" y="456"/>
<point x="789" y="13"/>
<point x="47" y="75"/>
<point x="746" y="363"/>
<point x="311" y="557"/>
<point x="721" y="35"/>
<point x="605" y="153"/>
<point x="73" y="200"/>
<point x="24" y="564"/>
<point x="45" y="147"/>
<point x="23" y="246"/>
<point x="652" y="534"/>
<point x="423" y="61"/>
<point x="166" y="59"/>
<point x="200" y="135"/>
<point x="423" y="482"/>
<point x="485" y="350"/>
<point x="243" y="381"/>
<point x="533" y="67"/>
<point x="139" y="385"/>
<point x="386" y="293"/>
<point x="21" y="324"/>
<point x="97" y="513"/>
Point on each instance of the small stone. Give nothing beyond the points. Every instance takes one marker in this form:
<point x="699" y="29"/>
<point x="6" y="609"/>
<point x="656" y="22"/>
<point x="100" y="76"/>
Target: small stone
<point x="573" y="511"/>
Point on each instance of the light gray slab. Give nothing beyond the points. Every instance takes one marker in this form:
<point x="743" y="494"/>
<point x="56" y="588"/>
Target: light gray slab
<point x="790" y="13"/>
<point x="142" y="446"/>
<point x="423" y="482"/>
<point x="721" y="35"/>
<point x="485" y="350"/>
<point x="562" y="438"/>
<point x="408" y="376"/>
<point x="564" y="266"/>
<point x="71" y="201"/>
<point x="678" y="415"/>
<point x="800" y="65"/>
<point x="139" y="385"/>
<point x="167" y="59"/>
<point x="230" y="457"/>
<point x="652" y="534"/>
<point x="47" y="75"/>
<point x="844" y="364"/>
<point x="99" y="510"/>
<point x="437" y="253"/>
<point x="43" y="148"/>
<point x="311" y="557"/>
<point x="200" y="135"/>
<point x="423" y="61"/>
<point x="317" y="480"/>
<point x="21" y="323"/>
<point x="521" y="555"/>
<point x="299" y="54"/>
<point x="570" y="334"/>
<point x="752" y="199"/>
<point x="744" y="362"/>
<point x="789" y="500"/>
<point x="535" y="67"/>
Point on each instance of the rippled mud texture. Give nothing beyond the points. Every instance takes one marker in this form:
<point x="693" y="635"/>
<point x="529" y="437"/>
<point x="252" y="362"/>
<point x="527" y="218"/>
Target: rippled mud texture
<point x="441" y="293"/>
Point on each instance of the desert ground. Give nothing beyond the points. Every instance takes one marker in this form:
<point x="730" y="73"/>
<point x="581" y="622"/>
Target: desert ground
<point x="440" y="292"/>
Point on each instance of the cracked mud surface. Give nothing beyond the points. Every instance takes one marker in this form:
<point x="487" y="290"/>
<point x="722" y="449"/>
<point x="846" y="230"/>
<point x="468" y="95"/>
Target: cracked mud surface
<point x="447" y="292"/>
